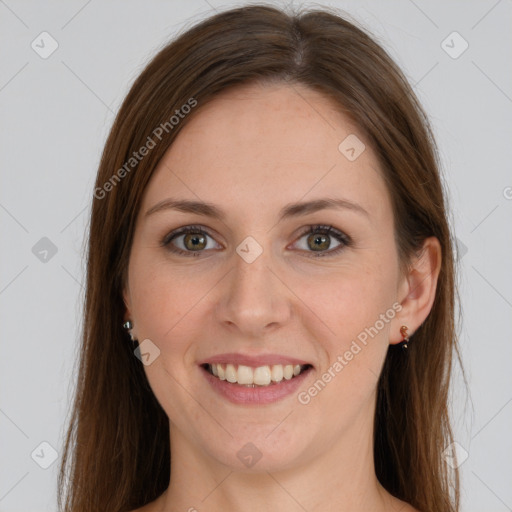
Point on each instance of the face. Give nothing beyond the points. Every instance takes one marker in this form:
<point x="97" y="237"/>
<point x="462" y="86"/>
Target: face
<point x="262" y="286"/>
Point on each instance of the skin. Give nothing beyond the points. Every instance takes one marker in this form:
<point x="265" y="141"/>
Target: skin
<point x="250" y="151"/>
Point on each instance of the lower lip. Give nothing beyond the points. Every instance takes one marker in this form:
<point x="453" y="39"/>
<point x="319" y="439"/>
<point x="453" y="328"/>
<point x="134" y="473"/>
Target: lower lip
<point x="238" y="394"/>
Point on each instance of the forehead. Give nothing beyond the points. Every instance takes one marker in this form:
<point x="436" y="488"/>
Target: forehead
<point x="257" y="147"/>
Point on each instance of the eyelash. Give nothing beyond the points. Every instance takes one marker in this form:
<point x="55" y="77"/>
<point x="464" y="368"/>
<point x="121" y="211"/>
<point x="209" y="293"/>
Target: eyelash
<point x="345" y="240"/>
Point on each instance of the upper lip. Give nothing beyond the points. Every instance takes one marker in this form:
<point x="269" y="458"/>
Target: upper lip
<point x="254" y="361"/>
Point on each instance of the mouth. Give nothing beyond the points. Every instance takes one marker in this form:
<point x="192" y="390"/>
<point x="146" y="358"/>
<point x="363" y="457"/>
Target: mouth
<point x="255" y="377"/>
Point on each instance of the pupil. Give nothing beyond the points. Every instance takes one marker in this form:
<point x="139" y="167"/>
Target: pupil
<point x="318" y="240"/>
<point x="196" y="240"/>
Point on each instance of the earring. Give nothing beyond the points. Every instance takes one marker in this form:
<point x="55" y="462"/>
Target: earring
<point x="128" y="325"/>
<point x="403" y="332"/>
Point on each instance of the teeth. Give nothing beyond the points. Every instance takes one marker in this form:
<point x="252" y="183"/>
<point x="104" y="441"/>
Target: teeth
<point x="245" y="375"/>
<point x="260" y="376"/>
<point x="277" y="373"/>
<point x="231" y="373"/>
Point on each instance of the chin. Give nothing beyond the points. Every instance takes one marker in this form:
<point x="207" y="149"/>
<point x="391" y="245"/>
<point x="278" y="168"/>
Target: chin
<point x="258" y="452"/>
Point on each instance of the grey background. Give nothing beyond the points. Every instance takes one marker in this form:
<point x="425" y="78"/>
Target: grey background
<point x="55" y="115"/>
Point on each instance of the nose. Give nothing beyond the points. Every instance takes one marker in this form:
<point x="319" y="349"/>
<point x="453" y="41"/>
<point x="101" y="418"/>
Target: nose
<point x="254" y="298"/>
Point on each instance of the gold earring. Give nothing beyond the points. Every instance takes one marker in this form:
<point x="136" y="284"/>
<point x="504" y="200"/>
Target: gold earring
<point x="403" y="332"/>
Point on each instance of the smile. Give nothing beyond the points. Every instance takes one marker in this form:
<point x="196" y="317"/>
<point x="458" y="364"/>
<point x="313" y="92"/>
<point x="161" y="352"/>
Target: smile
<point x="261" y="376"/>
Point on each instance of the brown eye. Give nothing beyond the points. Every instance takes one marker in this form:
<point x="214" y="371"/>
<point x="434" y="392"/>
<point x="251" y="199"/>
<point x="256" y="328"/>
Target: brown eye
<point x="319" y="239"/>
<point x="318" y="242"/>
<point x="194" y="242"/>
<point x="188" y="241"/>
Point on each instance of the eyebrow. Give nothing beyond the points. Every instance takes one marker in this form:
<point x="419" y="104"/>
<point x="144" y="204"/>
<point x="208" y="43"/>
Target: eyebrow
<point x="288" y="211"/>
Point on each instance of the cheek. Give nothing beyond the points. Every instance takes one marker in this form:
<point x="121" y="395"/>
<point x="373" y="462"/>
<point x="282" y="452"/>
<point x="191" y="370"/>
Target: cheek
<point x="351" y="299"/>
<point x="356" y="305"/>
<point x="171" y="305"/>
<point x="355" y="347"/>
<point x="160" y="299"/>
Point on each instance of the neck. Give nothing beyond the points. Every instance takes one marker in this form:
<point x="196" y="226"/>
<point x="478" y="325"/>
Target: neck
<point x="339" y="477"/>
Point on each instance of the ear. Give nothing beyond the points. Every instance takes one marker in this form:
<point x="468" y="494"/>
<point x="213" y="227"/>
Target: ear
<point x="417" y="289"/>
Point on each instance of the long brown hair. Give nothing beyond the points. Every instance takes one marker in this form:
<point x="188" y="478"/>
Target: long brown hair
<point x="116" y="454"/>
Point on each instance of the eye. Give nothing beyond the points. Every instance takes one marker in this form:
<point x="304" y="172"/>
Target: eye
<point x="192" y="239"/>
<point x="318" y="241"/>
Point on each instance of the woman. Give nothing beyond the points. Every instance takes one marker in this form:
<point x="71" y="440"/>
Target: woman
<point x="269" y="230"/>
